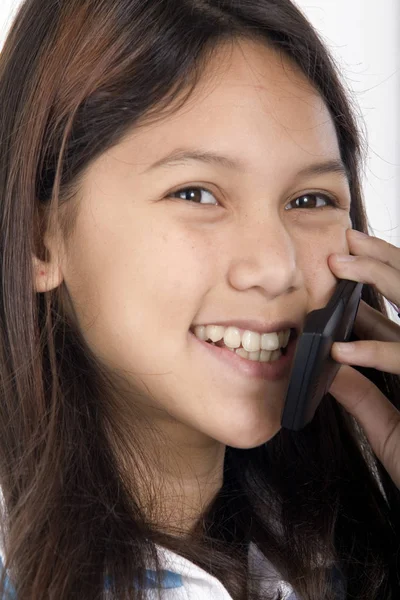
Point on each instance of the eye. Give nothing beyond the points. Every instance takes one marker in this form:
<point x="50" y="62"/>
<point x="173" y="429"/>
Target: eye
<point x="312" y="200"/>
<point x="197" y="195"/>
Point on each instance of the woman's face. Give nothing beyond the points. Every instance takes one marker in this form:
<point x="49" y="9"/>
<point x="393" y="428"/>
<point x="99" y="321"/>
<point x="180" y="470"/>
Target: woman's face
<point x="145" y="264"/>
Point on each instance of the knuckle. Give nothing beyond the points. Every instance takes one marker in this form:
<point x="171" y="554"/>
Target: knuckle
<point x="375" y="351"/>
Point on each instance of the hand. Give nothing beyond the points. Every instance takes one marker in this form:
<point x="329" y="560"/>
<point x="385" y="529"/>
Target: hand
<point x="376" y="263"/>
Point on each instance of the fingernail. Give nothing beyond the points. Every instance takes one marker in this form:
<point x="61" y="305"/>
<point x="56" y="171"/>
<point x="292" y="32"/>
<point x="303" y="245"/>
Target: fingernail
<point x="358" y="234"/>
<point x="345" y="347"/>
<point x="345" y="257"/>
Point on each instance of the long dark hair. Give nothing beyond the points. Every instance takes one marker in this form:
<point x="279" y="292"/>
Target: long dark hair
<point x="75" y="76"/>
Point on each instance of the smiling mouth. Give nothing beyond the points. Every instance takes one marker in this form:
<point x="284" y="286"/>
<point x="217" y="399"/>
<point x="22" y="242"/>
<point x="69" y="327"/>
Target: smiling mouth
<point x="249" y="345"/>
<point x="272" y="366"/>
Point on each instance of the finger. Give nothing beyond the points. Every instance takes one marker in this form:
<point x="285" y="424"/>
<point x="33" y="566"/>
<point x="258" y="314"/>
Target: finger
<point x="370" y="271"/>
<point x="372" y="324"/>
<point x="384" y="356"/>
<point x="379" y="419"/>
<point x="362" y="244"/>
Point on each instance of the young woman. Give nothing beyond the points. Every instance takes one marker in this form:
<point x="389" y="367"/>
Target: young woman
<point x="179" y="185"/>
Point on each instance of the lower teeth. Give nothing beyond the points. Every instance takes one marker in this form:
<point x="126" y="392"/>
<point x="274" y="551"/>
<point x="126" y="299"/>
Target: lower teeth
<point x="260" y="356"/>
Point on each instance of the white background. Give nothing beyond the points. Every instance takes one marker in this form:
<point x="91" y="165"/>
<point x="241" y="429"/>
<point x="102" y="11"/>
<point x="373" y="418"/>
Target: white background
<point x="364" y="37"/>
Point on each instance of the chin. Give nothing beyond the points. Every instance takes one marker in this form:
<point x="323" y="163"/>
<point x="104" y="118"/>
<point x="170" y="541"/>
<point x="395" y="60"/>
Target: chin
<point x="245" y="440"/>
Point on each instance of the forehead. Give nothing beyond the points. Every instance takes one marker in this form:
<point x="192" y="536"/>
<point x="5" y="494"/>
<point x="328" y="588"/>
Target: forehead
<point x="250" y="99"/>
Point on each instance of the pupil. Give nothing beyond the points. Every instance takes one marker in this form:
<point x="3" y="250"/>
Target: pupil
<point x="192" y="194"/>
<point x="305" y="200"/>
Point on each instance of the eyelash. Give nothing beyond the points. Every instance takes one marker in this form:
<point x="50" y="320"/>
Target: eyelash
<point x="327" y="197"/>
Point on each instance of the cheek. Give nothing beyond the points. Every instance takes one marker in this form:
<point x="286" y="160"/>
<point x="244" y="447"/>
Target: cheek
<point x="138" y="283"/>
<point x="181" y="269"/>
<point x="312" y="252"/>
<point x="318" y="244"/>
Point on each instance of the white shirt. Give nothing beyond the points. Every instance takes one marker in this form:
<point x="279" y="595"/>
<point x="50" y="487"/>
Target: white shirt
<point x="183" y="580"/>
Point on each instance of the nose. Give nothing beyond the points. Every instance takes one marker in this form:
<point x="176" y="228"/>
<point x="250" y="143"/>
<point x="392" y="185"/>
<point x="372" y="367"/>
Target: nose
<point x="265" y="258"/>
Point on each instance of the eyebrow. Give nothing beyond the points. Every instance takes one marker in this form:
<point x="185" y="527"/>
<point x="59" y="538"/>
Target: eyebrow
<point x="181" y="156"/>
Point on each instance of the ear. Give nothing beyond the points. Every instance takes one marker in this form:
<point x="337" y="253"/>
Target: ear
<point x="47" y="275"/>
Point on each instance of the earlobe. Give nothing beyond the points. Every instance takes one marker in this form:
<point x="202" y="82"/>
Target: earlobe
<point x="46" y="276"/>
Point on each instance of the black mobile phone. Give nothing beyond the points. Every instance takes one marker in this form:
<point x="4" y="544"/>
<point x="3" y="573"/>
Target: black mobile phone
<point x="313" y="368"/>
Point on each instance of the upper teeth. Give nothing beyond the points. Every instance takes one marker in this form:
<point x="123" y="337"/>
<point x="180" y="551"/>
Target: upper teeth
<point x="250" y="340"/>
